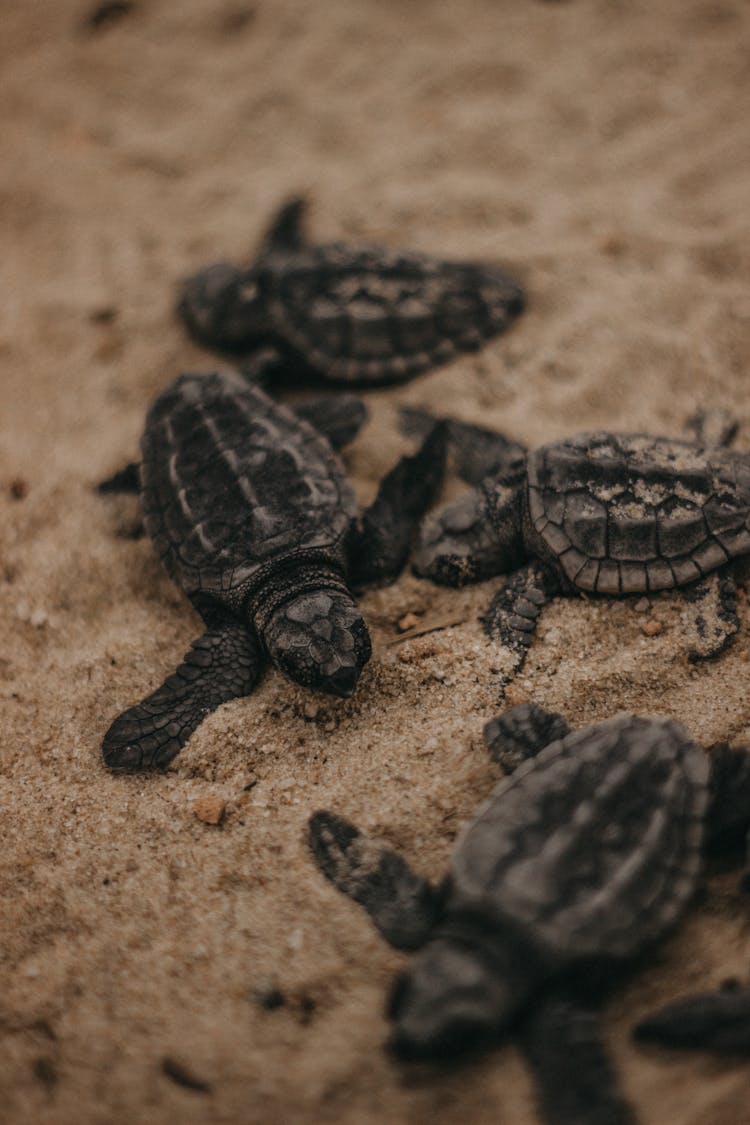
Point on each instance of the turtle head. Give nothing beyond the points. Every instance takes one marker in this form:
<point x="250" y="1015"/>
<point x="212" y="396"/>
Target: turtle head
<point x="476" y="537"/>
<point x="319" y="640"/>
<point x="449" y="1002"/>
<point x="222" y="306"/>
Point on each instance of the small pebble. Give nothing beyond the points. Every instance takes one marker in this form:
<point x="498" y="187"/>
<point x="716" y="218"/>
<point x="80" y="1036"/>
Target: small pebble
<point x="18" y="488"/>
<point x="209" y="810"/>
<point x="310" y="710"/>
<point x="643" y="605"/>
<point x="45" y="1070"/>
<point x="38" y="618"/>
<point x="269" y="998"/>
<point x="408" y="621"/>
<point x="651" y="628"/>
<point x="744" y="655"/>
<point x="181" y="1075"/>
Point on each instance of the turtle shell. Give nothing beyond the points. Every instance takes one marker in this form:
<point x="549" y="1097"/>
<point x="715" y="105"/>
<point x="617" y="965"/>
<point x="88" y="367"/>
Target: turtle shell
<point x="592" y="848"/>
<point x="232" y="482"/>
<point x="624" y="513"/>
<point x="367" y="313"/>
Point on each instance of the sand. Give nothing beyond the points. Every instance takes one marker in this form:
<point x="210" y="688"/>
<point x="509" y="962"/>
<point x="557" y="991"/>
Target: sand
<point x="600" y="150"/>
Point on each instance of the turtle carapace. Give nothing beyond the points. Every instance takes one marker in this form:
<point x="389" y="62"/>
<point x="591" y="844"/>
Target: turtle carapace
<point x="599" y="514"/>
<point x="348" y="313"/>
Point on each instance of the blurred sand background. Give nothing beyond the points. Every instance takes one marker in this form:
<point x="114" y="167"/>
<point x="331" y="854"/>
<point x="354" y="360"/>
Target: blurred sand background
<point x="602" y="151"/>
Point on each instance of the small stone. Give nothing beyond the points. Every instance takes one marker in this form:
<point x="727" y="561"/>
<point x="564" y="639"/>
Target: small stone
<point x="182" y="1075"/>
<point x="269" y="998"/>
<point x="744" y="655"/>
<point x="38" y="618"/>
<point x="18" y="488"/>
<point x="310" y="710"/>
<point x="651" y="628"/>
<point x="105" y="314"/>
<point x="209" y="810"/>
<point x="287" y="783"/>
<point x="613" y="245"/>
<point x="408" y="621"/>
<point x="405" y="656"/>
<point x="515" y="695"/>
<point x="643" y="605"/>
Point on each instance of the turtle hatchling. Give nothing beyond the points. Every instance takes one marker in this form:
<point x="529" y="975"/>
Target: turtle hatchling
<point x="581" y="858"/>
<point x="252" y="515"/>
<point x="599" y="514"/>
<point x="348" y="313"/>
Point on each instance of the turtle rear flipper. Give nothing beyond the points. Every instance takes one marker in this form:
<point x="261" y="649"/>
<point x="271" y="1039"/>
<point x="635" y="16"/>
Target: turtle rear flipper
<point x="337" y="417"/>
<point x="221" y="665"/>
<point x="712" y="615"/>
<point x="574" y="1076"/>
<point x="380" y="545"/>
<point x="403" y="906"/>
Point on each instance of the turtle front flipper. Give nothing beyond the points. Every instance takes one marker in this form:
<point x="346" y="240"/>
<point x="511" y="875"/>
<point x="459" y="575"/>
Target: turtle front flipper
<point x="476" y="537"/>
<point x="222" y="664"/>
<point x="380" y="545"/>
<point x="512" y="614"/>
<point x="476" y="451"/>
<point x="403" y="906"/>
<point x="574" y="1077"/>
<point x="712" y="615"/>
<point x="519" y="734"/>
<point x="338" y="417"/>
<point x="712" y="1021"/>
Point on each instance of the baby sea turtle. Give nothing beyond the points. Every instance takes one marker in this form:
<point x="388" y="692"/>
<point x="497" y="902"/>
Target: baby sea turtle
<point x="250" y="511"/>
<point x="598" y="513"/>
<point x="348" y="313"/>
<point x="582" y="857"/>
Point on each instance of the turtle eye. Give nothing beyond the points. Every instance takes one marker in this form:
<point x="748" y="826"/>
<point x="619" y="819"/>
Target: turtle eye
<point x="399" y="990"/>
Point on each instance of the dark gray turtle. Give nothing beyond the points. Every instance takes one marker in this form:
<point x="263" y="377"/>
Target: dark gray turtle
<point x="348" y="313"/>
<point x="598" y="513"/>
<point x="251" y="513"/>
<point x="581" y="858"/>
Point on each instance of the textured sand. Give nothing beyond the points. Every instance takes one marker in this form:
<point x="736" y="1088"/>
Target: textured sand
<point x="601" y="150"/>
